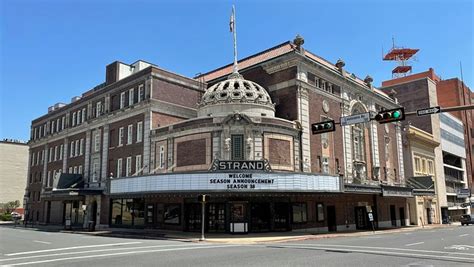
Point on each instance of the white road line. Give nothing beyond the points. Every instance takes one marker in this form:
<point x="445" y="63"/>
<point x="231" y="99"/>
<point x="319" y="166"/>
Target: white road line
<point x="97" y="250"/>
<point x="42" y="242"/>
<point x="414" y="244"/>
<point x="388" y="253"/>
<point x="69" y="248"/>
<point x="382" y="248"/>
<point x="407" y="233"/>
<point x="122" y="253"/>
<point x="463" y="235"/>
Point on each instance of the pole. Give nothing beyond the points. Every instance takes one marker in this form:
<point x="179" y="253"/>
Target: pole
<point x="203" y="219"/>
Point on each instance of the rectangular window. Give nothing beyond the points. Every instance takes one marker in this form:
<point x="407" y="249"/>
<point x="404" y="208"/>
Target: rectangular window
<point x="57" y="125"/>
<point x="70" y="169"/>
<point x="63" y="119"/>
<point x="53" y="128"/>
<point x="128" y="167"/>
<point x="430" y="167"/>
<point x="237" y="147"/>
<point x="50" y="156"/>
<point x="130" y="97"/>
<point x="48" y="178"/>
<point x="320" y="212"/>
<point x="76" y="149"/>
<point x="417" y="166"/>
<point x="139" y="131"/>
<point x="75" y="170"/>
<point x="119" y="168"/>
<point x="162" y="157"/>
<point x="61" y="151"/>
<point x="122" y="100"/>
<point x="95" y="170"/>
<point x="138" y="164"/>
<point x="98" y="109"/>
<point x="83" y="114"/>
<point x="129" y="134"/>
<point x="79" y="117"/>
<point x="71" y="150"/>
<point x="423" y="166"/>
<point x="97" y="142"/>
<point x="55" y="153"/>
<point x="80" y="169"/>
<point x="299" y="213"/>
<point x="32" y="159"/>
<point x="172" y="214"/>
<point x="42" y="156"/>
<point x="120" y="137"/>
<point x="74" y="119"/>
<point x="81" y="147"/>
<point x="141" y="93"/>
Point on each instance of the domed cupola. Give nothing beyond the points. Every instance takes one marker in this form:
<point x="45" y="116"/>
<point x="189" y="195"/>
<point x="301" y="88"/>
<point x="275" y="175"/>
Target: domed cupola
<point x="236" y="95"/>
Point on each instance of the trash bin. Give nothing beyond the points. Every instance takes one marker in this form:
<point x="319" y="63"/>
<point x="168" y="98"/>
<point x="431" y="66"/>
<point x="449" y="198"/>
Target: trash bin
<point x="67" y="224"/>
<point x="91" y="226"/>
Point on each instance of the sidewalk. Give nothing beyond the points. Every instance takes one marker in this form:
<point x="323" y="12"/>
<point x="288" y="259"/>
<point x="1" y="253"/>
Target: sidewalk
<point x="224" y="238"/>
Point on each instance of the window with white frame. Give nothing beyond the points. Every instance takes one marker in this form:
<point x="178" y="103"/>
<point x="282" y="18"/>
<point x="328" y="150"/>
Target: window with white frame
<point x="98" y="109"/>
<point x="61" y="151"/>
<point x="76" y="149"/>
<point x="120" y="137"/>
<point x="431" y="167"/>
<point x="97" y="142"/>
<point x="139" y="131"/>
<point x="130" y="97"/>
<point x="141" y="93"/>
<point x="55" y="153"/>
<point x="129" y="134"/>
<point x="48" y="178"/>
<point x="70" y="170"/>
<point x="81" y="150"/>
<point x="53" y="128"/>
<point x="71" y="150"/>
<point x="50" y="156"/>
<point x="75" y="170"/>
<point x="119" y="168"/>
<point x="83" y="114"/>
<point x="63" y="119"/>
<point x="95" y="170"/>
<point x="79" y="169"/>
<point x="122" y="100"/>
<point x="57" y="125"/>
<point x="128" y="168"/>
<point x="162" y="158"/>
<point x="74" y="119"/>
<point x="138" y="164"/>
<point x="79" y="117"/>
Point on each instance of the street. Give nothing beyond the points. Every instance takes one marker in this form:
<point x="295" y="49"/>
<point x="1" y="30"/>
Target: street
<point x="444" y="246"/>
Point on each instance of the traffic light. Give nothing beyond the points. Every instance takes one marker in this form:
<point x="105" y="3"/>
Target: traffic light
<point x="203" y="198"/>
<point x="385" y="116"/>
<point x="323" y="127"/>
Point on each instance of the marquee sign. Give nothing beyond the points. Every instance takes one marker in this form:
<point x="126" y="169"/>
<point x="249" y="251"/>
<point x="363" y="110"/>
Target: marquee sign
<point x="240" y="165"/>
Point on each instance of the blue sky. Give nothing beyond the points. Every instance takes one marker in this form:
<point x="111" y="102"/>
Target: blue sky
<point x="53" y="50"/>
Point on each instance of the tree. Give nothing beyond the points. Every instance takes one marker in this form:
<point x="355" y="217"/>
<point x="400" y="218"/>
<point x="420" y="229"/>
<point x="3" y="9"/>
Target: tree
<point x="10" y="206"/>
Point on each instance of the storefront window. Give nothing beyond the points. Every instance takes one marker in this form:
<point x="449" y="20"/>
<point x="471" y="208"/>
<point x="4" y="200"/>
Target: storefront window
<point x="320" y="212"/>
<point x="299" y="213"/>
<point x="127" y="209"/>
<point x="172" y="214"/>
<point x="117" y="211"/>
<point x="138" y="212"/>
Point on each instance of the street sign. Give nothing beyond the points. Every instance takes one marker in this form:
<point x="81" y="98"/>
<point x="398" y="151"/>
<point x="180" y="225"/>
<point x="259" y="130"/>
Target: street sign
<point x="428" y="111"/>
<point x="353" y="119"/>
<point x="371" y="217"/>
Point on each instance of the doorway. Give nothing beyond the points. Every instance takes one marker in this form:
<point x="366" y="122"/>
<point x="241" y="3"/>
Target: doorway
<point x="361" y="218"/>
<point x="260" y="217"/>
<point x="393" y="215"/>
<point x="216" y="217"/>
<point x="193" y="217"/>
<point x="402" y="217"/>
<point x="281" y="216"/>
<point x="331" y="214"/>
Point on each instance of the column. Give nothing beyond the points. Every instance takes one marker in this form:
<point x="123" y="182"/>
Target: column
<point x="303" y="117"/>
<point x="146" y="142"/>
<point x="105" y="154"/>
<point x="87" y="156"/>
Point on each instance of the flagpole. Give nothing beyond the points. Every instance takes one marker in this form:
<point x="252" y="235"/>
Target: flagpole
<point x="236" y="68"/>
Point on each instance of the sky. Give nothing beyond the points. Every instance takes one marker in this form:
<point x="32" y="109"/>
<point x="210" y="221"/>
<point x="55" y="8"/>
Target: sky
<point x="52" y="50"/>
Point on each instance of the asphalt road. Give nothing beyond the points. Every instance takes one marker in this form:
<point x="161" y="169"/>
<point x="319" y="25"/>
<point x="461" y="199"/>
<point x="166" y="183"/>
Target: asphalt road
<point x="447" y="246"/>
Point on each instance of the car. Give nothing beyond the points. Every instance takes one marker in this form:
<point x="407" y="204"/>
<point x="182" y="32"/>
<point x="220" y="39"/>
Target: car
<point x="467" y="219"/>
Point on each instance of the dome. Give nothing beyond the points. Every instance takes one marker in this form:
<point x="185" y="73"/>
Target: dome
<point x="236" y="94"/>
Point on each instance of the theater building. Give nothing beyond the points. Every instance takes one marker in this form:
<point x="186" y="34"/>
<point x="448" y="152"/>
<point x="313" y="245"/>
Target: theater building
<point x="244" y="139"/>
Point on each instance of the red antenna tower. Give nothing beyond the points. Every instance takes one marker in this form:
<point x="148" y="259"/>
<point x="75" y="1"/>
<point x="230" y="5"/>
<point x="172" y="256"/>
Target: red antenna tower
<point x="402" y="56"/>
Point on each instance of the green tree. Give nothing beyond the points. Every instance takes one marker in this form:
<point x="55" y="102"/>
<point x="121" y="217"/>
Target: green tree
<point x="10" y="206"/>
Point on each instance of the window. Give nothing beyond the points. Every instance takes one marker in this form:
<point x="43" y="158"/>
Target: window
<point x="43" y="156"/>
<point x="97" y="142"/>
<point x="139" y="131"/>
<point x="299" y="213"/>
<point x="141" y="93"/>
<point x="122" y="100"/>
<point x="50" y="157"/>
<point x="76" y="149"/>
<point x="423" y="166"/>
<point x="83" y="114"/>
<point x="61" y="151"/>
<point x="57" y="125"/>
<point x="162" y="157"/>
<point x="75" y="170"/>
<point x="237" y="147"/>
<point x="120" y="137"/>
<point x="62" y="122"/>
<point x="325" y="163"/>
<point x="55" y="153"/>
<point x="80" y="169"/>
<point x="33" y="159"/>
<point x="129" y="134"/>
<point x="128" y="167"/>
<point x="70" y="170"/>
<point x="74" y="119"/>
<point x="53" y="128"/>
<point x="79" y="117"/>
<point x="430" y="167"/>
<point x="81" y="149"/>
<point x="71" y="151"/>
<point x="358" y="143"/>
<point x="138" y="164"/>
<point x="98" y="109"/>
<point x="172" y="214"/>
<point x="119" y="168"/>
<point x="130" y="97"/>
<point x="48" y="178"/>
<point x="95" y="170"/>
<point x="320" y="212"/>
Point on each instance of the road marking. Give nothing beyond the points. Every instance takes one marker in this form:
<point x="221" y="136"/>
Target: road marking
<point x="69" y="248"/>
<point x="414" y="244"/>
<point x="97" y="250"/>
<point x="407" y="233"/>
<point x="42" y="242"/>
<point x="463" y="235"/>
<point x="385" y="253"/>
<point x="122" y="253"/>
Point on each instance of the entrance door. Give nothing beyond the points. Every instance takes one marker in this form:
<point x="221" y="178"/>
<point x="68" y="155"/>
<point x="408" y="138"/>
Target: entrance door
<point x="193" y="217"/>
<point x="361" y="218"/>
<point x="402" y="216"/>
<point x="393" y="215"/>
<point x="331" y="212"/>
<point x="216" y="217"/>
<point x="260" y="217"/>
<point x="428" y="215"/>
<point x="48" y="211"/>
<point x="281" y="217"/>
<point x="93" y="216"/>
